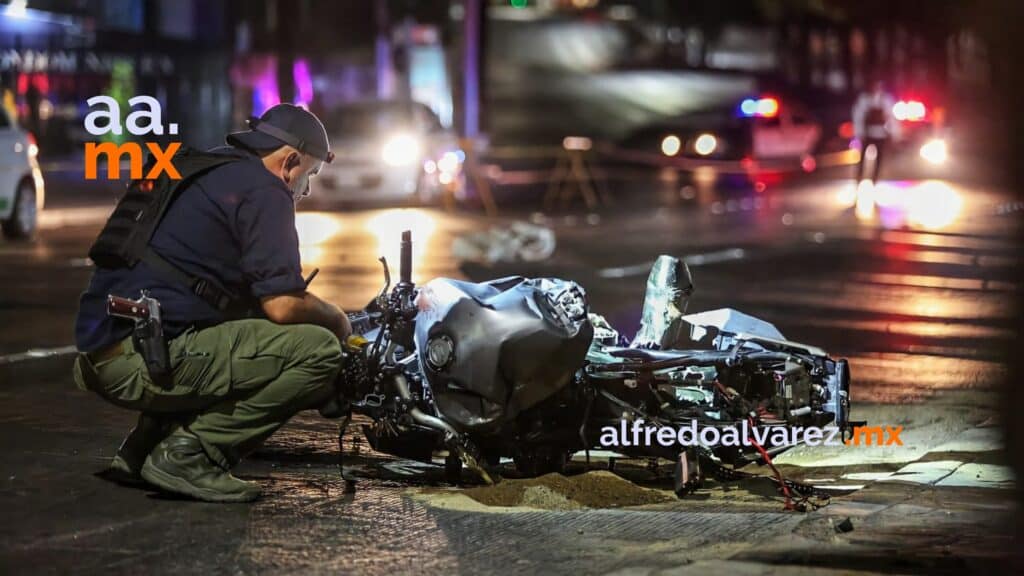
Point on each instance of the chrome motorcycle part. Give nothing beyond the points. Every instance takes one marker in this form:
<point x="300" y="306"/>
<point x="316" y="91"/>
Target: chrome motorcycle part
<point x="568" y="305"/>
<point x="440" y="352"/>
<point x="452" y="437"/>
<point x="687" y="475"/>
<point x="603" y="331"/>
<point x="669" y="286"/>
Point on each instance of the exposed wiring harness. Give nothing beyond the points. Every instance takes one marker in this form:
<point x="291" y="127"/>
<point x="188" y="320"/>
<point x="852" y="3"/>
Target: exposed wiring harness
<point x="778" y="475"/>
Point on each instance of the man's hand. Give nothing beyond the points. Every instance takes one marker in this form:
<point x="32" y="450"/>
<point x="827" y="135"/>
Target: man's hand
<point x="305" y="308"/>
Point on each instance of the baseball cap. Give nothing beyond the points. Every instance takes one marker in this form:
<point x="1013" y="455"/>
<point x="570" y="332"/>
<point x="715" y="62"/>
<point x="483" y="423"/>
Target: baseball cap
<point x="285" y="124"/>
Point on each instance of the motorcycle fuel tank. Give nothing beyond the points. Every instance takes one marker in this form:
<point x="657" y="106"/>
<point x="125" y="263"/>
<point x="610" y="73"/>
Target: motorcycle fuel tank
<point x="492" y="350"/>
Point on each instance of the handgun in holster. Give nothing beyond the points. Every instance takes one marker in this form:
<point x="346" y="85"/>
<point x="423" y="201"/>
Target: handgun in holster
<point x="148" y="334"/>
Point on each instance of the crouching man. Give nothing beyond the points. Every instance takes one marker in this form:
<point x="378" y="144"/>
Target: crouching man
<point x="247" y="346"/>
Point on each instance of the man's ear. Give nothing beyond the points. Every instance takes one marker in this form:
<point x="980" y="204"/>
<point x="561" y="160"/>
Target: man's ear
<point x="290" y="161"/>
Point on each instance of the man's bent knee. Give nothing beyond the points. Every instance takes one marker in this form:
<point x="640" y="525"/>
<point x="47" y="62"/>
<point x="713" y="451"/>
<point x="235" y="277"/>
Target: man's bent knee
<point x="317" y="349"/>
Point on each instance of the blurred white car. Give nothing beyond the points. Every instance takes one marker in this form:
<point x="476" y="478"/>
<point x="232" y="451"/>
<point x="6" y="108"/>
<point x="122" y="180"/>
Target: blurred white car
<point x="21" y="182"/>
<point x="386" y="152"/>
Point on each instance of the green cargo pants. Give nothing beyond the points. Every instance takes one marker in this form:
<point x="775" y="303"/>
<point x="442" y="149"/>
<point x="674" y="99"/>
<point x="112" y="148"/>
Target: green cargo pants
<point x="234" y="384"/>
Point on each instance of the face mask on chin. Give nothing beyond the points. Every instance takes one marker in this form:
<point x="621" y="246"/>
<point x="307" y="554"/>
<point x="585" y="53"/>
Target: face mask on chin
<point x="299" y="188"/>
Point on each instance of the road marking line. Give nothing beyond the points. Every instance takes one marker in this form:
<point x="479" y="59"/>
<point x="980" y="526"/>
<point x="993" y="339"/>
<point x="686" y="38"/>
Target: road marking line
<point x="34" y="353"/>
<point x="691" y="260"/>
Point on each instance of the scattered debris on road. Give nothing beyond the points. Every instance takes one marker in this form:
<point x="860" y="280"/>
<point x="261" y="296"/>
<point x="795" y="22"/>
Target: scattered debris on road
<point x="518" y="242"/>
<point x="597" y="489"/>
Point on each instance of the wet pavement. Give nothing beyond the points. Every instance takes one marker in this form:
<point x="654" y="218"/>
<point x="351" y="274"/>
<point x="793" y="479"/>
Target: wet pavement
<point x="911" y="281"/>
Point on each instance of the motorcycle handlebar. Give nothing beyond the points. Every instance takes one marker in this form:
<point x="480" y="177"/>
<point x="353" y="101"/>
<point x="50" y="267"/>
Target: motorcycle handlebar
<point x="405" y="261"/>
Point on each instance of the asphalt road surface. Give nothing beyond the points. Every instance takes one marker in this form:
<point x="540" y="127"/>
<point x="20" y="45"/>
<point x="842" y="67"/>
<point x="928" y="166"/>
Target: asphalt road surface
<point x="911" y="280"/>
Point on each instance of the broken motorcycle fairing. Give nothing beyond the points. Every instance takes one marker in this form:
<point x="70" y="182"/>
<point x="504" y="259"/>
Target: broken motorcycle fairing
<point x="489" y="351"/>
<point x="519" y="368"/>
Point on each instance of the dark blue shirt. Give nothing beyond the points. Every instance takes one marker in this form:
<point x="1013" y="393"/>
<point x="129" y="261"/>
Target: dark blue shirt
<point x="234" y="225"/>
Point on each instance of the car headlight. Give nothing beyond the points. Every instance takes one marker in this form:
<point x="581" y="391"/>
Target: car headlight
<point x="401" y="150"/>
<point x="449" y="163"/>
<point x="670" y="145"/>
<point x="935" y="151"/>
<point x="705" y="144"/>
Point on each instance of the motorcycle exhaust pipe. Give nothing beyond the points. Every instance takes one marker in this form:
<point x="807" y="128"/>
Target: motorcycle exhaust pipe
<point x="420" y="417"/>
<point x="452" y="438"/>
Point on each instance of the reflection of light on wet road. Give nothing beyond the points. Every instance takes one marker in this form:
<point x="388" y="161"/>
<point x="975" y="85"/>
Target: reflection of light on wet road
<point x="388" y="226"/>
<point x="901" y="378"/>
<point x="930" y="306"/>
<point x="932" y="281"/>
<point x="847" y="297"/>
<point x="942" y="240"/>
<point x="941" y="328"/>
<point x="846" y="196"/>
<point x="934" y="205"/>
<point x="931" y="205"/>
<point x="864" y="200"/>
<point x="315" y="229"/>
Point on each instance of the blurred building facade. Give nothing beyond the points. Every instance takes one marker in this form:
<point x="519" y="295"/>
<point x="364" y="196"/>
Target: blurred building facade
<point x="604" y="67"/>
<point x="55" y="54"/>
<point x="546" y="68"/>
<point x="325" y="53"/>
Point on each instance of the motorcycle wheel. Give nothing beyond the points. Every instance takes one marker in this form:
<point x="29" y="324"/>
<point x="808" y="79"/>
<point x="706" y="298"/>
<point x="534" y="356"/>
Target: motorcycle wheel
<point x="537" y="461"/>
<point x="21" y="225"/>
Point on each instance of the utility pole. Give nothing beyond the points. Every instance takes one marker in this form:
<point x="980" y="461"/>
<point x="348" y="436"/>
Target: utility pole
<point x="472" y="23"/>
<point x="382" y="51"/>
<point x="285" y="50"/>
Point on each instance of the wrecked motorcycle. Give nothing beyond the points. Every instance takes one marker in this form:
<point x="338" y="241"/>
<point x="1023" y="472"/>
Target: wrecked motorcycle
<point x="519" y="368"/>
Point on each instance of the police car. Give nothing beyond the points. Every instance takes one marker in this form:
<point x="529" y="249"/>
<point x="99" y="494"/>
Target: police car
<point x="760" y="128"/>
<point x="922" y="128"/>
<point x="21" y="182"/>
<point x="389" y="152"/>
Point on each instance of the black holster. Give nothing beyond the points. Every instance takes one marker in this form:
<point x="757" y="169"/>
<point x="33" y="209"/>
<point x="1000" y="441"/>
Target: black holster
<point x="149" y="341"/>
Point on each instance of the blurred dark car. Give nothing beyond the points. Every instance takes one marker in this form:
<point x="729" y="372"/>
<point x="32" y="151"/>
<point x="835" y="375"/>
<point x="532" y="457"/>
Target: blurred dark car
<point x="766" y="128"/>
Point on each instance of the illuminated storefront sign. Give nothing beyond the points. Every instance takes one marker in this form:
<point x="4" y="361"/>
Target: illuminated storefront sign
<point x="73" y="62"/>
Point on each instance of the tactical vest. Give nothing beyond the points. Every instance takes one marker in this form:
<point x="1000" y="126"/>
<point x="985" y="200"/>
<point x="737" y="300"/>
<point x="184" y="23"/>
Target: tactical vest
<point x="124" y="240"/>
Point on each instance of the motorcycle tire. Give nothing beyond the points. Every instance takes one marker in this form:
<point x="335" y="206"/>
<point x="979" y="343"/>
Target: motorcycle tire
<point x="21" y="225"/>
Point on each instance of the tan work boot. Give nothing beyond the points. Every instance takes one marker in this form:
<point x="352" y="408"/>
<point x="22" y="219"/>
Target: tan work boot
<point x="178" y="464"/>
